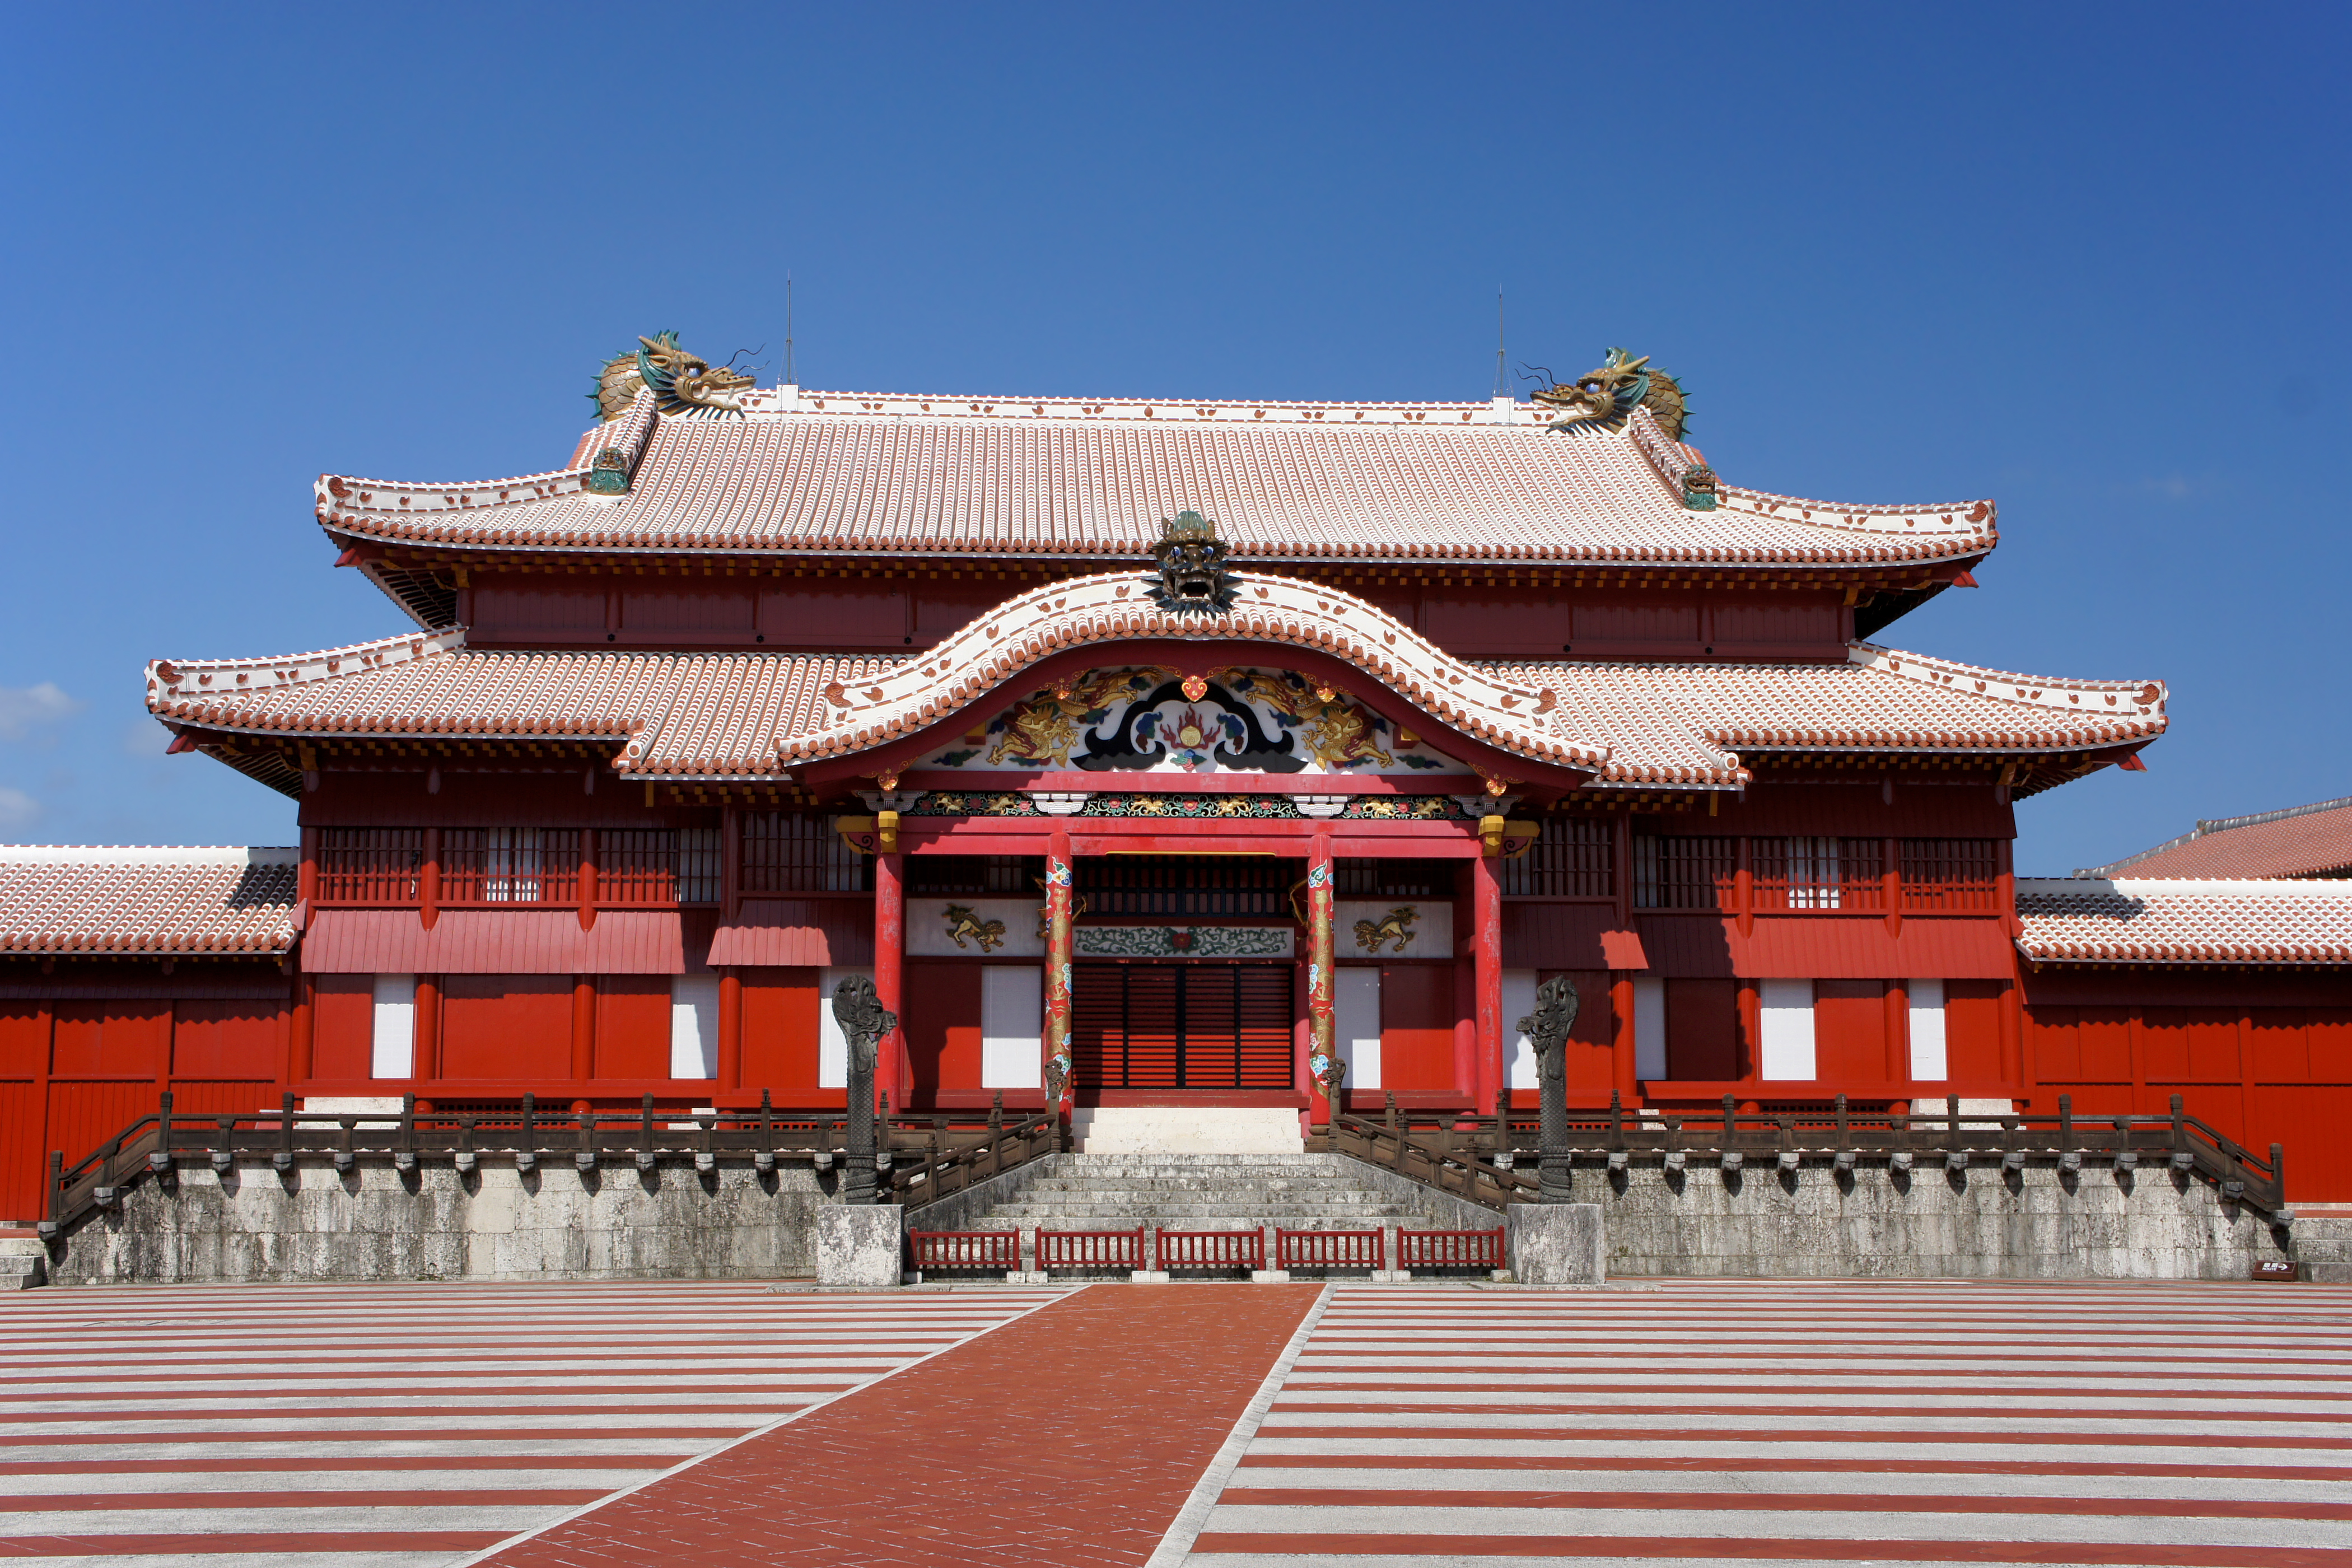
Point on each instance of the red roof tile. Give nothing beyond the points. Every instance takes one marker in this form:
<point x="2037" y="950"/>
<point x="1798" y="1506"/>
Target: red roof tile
<point x="2303" y="841"/>
<point x="827" y="473"/>
<point x="113" y="901"/>
<point x="2148" y="920"/>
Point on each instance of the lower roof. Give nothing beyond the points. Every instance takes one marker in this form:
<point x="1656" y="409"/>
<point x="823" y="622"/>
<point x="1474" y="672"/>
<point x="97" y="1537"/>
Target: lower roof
<point x="2302" y="841"/>
<point x="127" y="902"/>
<point x="2077" y="921"/>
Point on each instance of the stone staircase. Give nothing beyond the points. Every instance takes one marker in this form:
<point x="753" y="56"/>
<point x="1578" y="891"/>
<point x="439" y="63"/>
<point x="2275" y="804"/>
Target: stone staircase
<point x="1179" y="1191"/>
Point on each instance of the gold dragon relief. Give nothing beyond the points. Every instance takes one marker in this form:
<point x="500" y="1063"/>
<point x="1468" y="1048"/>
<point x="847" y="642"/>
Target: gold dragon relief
<point x="1333" y="731"/>
<point x="1050" y="726"/>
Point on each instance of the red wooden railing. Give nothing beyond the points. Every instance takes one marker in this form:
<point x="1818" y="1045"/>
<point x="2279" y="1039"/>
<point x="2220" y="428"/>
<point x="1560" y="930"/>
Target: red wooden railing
<point x="1330" y="1249"/>
<point x="1090" y="1249"/>
<point x="1212" y="1249"/>
<point x="993" y="1249"/>
<point x="1450" y="1248"/>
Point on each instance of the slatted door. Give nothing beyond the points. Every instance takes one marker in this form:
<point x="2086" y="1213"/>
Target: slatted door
<point x="1183" y="1025"/>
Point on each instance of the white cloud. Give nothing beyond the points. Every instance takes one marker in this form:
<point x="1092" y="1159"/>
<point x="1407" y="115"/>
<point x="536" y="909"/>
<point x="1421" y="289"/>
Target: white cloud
<point x="24" y="707"/>
<point x="18" y="809"/>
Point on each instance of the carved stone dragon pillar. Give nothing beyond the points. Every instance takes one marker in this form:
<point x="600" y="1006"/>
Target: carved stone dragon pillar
<point x="1547" y="1030"/>
<point x="864" y="1023"/>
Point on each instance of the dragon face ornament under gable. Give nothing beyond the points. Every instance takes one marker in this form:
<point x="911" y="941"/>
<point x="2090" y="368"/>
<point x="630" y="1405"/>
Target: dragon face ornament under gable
<point x="1605" y="397"/>
<point x="1191" y="579"/>
<point x="682" y="383"/>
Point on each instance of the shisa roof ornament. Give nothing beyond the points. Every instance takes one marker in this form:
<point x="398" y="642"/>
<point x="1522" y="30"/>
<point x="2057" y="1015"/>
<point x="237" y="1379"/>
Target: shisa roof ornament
<point x="1191" y="579"/>
<point x="682" y="383"/>
<point x="1605" y="397"/>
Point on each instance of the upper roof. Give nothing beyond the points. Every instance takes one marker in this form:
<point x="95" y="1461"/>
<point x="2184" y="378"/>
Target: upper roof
<point x="828" y="474"/>
<point x="126" y="901"/>
<point x="2302" y="841"/>
<point x="734" y="715"/>
<point x="2147" y="920"/>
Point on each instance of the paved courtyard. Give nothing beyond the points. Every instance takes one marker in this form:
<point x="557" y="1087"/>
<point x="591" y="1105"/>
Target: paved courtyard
<point x="1204" y="1426"/>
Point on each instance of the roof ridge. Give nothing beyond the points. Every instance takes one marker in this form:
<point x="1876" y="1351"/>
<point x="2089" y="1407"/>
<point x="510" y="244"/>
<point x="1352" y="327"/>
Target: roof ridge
<point x="2035" y="690"/>
<point x="169" y="679"/>
<point x="2124" y="887"/>
<point x="149" y="855"/>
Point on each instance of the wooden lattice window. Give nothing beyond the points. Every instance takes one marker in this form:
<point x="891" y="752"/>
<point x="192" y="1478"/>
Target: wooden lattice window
<point x="509" y="864"/>
<point x="1951" y="876"/>
<point x="792" y="852"/>
<point x="657" y="865"/>
<point x="1187" y="886"/>
<point x="1692" y="873"/>
<point x="976" y="876"/>
<point x="1573" y="858"/>
<point x="370" y="865"/>
<point x="1811" y="871"/>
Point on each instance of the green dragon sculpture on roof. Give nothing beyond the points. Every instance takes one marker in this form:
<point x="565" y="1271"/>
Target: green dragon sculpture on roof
<point x="1604" y="398"/>
<point x="682" y="383"/>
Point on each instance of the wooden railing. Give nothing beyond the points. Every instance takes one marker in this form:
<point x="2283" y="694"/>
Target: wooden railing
<point x="1491" y="1160"/>
<point x="923" y="1157"/>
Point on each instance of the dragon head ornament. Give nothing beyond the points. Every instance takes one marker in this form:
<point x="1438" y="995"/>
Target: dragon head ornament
<point x="1191" y="579"/>
<point x="1605" y="397"/>
<point x="682" y="383"/>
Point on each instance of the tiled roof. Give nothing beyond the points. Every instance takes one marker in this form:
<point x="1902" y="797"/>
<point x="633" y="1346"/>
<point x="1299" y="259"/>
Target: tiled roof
<point x="2303" y="841"/>
<point x="1664" y="717"/>
<point x="2148" y="920"/>
<point x="824" y="473"/>
<point x="722" y="715"/>
<point x="112" y="900"/>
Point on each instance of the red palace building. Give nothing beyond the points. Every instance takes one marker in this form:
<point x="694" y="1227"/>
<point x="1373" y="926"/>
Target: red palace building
<point x="1173" y="761"/>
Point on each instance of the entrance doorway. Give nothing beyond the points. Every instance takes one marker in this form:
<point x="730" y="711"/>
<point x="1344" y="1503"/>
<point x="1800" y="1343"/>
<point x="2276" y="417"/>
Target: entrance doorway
<point x="1181" y="1026"/>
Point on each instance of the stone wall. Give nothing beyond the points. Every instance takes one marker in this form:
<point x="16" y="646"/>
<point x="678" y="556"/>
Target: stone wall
<point x="373" y="1223"/>
<point x="2037" y="1223"/>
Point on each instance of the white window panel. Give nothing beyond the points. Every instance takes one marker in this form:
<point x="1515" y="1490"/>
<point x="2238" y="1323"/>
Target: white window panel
<point x="1788" y="1017"/>
<point x="831" y="1048"/>
<point x="392" y="1052"/>
<point x="694" y="1025"/>
<point x="1649" y="1026"/>
<point x="1356" y="1020"/>
<point x="1519" y="1001"/>
<point x="1928" y="1058"/>
<point x="1011" y="1025"/>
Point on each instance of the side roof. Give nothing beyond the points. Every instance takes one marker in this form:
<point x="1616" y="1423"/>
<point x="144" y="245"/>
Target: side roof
<point x="830" y="474"/>
<point x="2313" y="840"/>
<point x="2238" y="923"/>
<point x="126" y="901"/>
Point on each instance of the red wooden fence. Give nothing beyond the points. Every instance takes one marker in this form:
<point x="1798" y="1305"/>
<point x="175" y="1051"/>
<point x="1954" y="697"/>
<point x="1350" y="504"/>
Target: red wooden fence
<point x="993" y="1249"/>
<point x="1212" y="1249"/>
<point x="1090" y="1249"/>
<point x="1451" y="1248"/>
<point x="1328" y="1250"/>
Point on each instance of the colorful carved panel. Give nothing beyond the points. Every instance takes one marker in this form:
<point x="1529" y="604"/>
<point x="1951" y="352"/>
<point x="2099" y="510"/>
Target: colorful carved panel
<point x="1235" y="719"/>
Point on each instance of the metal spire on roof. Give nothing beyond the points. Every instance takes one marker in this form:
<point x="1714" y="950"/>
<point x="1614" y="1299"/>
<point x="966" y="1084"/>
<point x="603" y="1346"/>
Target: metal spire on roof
<point x="1502" y="387"/>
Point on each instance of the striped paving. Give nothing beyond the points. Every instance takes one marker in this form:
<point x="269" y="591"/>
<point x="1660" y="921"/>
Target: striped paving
<point x="1803" y="1423"/>
<point x="406" y="1425"/>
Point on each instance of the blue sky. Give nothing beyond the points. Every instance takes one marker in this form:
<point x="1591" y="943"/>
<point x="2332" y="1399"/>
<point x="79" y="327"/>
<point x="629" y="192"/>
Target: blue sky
<point x="2089" y="260"/>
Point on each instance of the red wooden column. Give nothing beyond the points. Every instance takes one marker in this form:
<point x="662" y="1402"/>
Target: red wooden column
<point x="426" y="1065"/>
<point x="1623" y="1065"/>
<point x="429" y="882"/>
<point x="730" y="1030"/>
<point x="583" y="1037"/>
<point x="587" y="883"/>
<point x="892" y="1074"/>
<point x="1321" y="983"/>
<point x="297" y="1045"/>
<point x="1055" y="1041"/>
<point x="1487" y="958"/>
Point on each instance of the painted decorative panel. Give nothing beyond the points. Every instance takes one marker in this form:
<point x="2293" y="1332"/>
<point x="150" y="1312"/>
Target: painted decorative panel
<point x="1394" y="928"/>
<point x="976" y="928"/>
<point x="1147" y="719"/>
<point x="1182" y="941"/>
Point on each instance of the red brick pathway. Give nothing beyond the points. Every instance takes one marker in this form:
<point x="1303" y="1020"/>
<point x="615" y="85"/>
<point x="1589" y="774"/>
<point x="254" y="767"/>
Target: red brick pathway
<point x="1070" y="1437"/>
